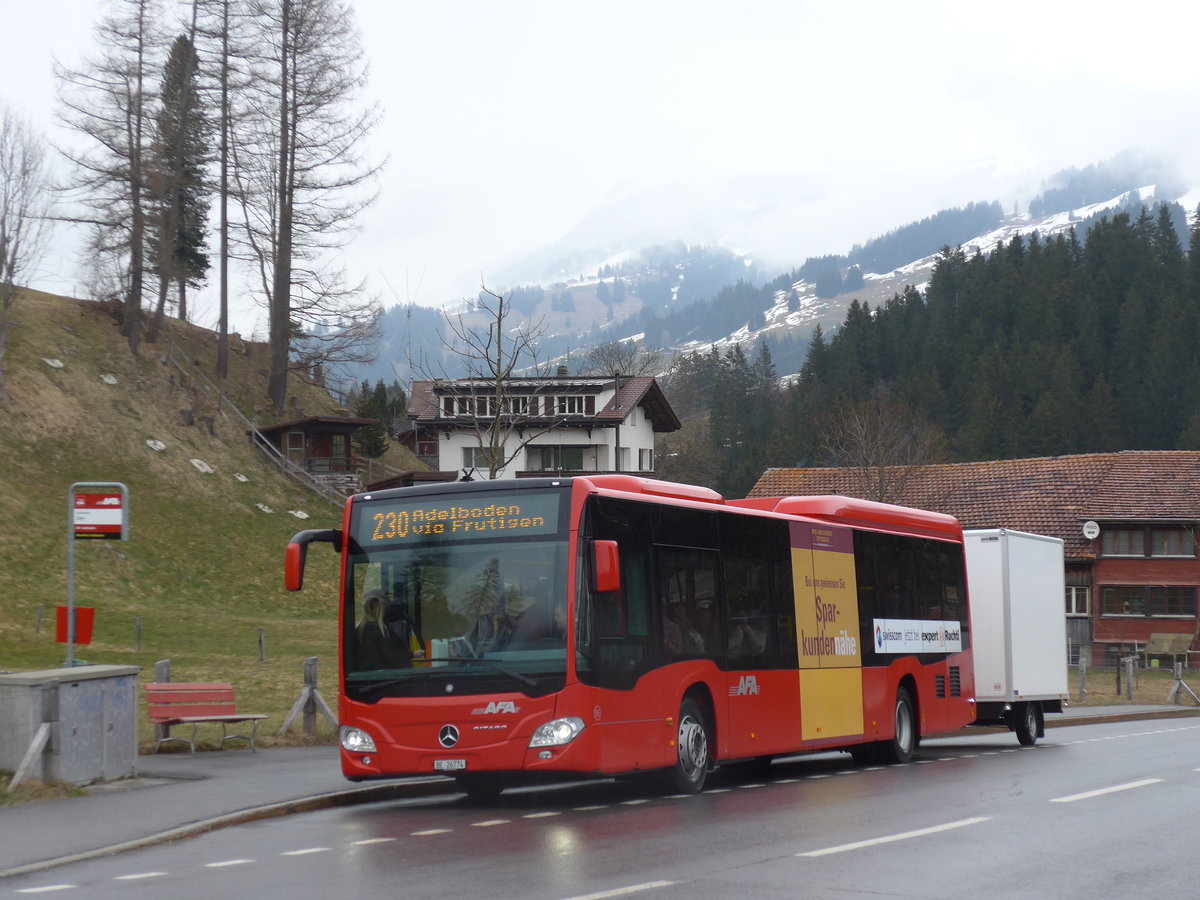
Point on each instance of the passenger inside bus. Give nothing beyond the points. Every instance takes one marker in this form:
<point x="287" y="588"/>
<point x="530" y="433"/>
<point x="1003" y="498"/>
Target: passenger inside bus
<point x="690" y="640"/>
<point x="706" y="623"/>
<point x="377" y="646"/>
<point x="402" y="629"/>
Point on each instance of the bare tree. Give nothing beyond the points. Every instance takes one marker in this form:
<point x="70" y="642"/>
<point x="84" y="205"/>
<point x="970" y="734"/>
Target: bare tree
<point x="222" y="44"/>
<point x="628" y="357"/>
<point x="883" y="442"/>
<point x="106" y="101"/>
<point x="498" y="399"/>
<point x="24" y="211"/>
<point x="301" y="174"/>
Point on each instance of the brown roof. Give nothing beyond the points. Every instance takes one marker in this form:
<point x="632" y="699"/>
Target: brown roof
<point x="641" y="390"/>
<point x="1051" y="495"/>
<point x="341" y="423"/>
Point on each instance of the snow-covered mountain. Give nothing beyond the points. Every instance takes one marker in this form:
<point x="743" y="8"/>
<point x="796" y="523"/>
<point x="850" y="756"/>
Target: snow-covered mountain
<point x="601" y="292"/>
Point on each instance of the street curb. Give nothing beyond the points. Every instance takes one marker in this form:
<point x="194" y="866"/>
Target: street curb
<point x="431" y="787"/>
<point x="1183" y="712"/>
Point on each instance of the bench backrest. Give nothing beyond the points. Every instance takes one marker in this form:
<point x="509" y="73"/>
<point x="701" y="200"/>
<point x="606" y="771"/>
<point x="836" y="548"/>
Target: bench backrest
<point x="175" y="699"/>
<point x="1159" y="643"/>
<point x="1181" y="644"/>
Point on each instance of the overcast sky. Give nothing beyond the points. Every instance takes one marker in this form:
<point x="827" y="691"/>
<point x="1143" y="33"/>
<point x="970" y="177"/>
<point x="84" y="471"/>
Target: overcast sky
<point x="508" y="123"/>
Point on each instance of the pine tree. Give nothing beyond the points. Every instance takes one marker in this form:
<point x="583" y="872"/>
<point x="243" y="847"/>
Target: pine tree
<point x="372" y="440"/>
<point x="180" y="154"/>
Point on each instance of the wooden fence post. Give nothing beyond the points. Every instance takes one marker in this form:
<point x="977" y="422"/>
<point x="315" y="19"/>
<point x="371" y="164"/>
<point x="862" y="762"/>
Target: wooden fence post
<point x="1083" y="667"/>
<point x="309" y="702"/>
<point x="162" y="675"/>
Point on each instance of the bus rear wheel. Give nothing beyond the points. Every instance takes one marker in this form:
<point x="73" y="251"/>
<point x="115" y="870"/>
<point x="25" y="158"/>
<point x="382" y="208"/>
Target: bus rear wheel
<point x="904" y="741"/>
<point x="688" y="774"/>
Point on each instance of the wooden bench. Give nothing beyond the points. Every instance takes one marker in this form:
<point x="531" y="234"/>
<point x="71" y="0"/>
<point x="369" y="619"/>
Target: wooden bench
<point x="1172" y="645"/>
<point x="194" y="704"/>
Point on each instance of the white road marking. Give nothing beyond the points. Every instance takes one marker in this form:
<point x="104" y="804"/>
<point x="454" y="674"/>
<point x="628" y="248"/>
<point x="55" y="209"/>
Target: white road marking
<point x="138" y="876"/>
<point x="228" y="862"/>
<point x="1088" y="795"/>
<point x="541" y="815"/>
<point x="365" y="841"/>
<point x="638" y="802"/>
<point x="891" y="838"/>
<point x="48" y="888"/>
<point x="488" y="823"/>
<point x="590" y="808"/>
<point x="625" y="891"/>
<point x="431" y="831"/>
<point x="305" y="852"/>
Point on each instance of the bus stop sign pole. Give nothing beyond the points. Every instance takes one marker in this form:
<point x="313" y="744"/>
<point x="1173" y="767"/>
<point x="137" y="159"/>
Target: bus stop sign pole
<point x="96" y="510"/>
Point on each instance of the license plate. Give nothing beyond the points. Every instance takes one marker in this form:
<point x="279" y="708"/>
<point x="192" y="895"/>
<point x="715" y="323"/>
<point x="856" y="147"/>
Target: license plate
<point x="449" y="765"/>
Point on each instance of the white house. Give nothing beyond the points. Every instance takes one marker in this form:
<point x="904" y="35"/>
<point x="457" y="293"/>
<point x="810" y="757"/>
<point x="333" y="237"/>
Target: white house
<point x="568" y="424"/>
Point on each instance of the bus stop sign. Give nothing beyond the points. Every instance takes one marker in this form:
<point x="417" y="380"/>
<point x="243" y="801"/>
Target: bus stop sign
<point x="99" y="515"/>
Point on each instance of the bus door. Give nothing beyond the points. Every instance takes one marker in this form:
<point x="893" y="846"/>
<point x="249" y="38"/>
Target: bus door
<point x="827" y="633"/>
<point x="615" y="653"/>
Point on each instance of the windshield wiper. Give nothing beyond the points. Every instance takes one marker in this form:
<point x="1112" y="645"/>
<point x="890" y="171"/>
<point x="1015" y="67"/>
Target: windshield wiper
<point x="503" y="670"/>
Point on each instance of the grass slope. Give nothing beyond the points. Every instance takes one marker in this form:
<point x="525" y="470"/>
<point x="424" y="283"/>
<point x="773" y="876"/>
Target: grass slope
<point x="202" y="569"/>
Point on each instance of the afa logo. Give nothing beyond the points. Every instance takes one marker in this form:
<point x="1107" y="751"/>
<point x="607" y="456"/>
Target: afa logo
<point x="496" y="707"/>
<point x="746" y="686"/>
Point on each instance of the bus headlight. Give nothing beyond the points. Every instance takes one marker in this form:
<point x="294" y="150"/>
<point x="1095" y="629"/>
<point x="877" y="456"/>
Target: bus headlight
<point x="356" y="740"/>
<point x="557" y="733"/>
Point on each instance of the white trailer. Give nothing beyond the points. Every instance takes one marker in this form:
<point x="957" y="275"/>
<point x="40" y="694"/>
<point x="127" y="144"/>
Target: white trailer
<point x="1018" y="628"/>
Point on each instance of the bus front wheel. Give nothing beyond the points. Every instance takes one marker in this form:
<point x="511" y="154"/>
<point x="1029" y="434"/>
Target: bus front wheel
<point x="904" y="741"/>
<point x="688" y="774"/>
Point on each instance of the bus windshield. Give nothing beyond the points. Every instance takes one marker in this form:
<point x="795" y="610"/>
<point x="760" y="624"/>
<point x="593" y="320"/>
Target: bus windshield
<point x="450" y="597"/>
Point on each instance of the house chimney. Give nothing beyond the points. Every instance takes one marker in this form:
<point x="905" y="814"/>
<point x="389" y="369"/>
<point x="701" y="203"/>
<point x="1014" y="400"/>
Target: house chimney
<point x="562" y="371"/>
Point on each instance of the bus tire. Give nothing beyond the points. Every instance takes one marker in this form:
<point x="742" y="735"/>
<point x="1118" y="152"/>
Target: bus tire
<point x="904" y="740"/>
<point x="1026" y="723"/>
<point x="688" y="774"/>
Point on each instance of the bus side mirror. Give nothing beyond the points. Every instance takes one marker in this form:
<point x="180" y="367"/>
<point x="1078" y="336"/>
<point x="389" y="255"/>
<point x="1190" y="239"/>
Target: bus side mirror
<point x="606" y="566"/>
<point x="297" y="552"/>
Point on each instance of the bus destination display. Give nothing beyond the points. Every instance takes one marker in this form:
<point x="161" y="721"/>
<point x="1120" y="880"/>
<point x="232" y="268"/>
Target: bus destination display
<point x="441" y="518"/>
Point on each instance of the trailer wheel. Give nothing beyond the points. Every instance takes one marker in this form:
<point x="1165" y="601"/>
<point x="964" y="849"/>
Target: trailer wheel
<point x="688" y="774"/>
<point x="1027" y="723"/>
<point x="900" y="748"/>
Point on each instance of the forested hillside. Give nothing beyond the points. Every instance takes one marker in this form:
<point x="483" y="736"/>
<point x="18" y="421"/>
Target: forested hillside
<point x="1075" y="343"/>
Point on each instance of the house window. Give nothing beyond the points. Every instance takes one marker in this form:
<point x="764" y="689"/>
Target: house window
<point x="340" y="448"/>
<point x="623" y="456"/>
<point x="574" y="405"/>
<point x="646" y="460"/>
<point x="1123" y="542"/>
<point x="295" y="446"/>
<point x="554" y="459"/>
<point x="1148" y="600"/>
<point x="1078" y="601"/>
<point x="476" y="457"/>
<point x="1172" y="542"/>
<point x="515" y="406"/>
<point x="1180" y="542"/>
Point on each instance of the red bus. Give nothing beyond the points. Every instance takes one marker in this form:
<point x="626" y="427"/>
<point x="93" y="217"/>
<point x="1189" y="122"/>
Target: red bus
<point x="607" y="625"/>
